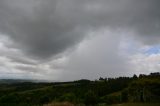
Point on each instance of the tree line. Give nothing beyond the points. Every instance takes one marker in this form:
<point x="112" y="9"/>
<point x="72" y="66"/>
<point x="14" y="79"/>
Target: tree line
<point x="142" y="88"/>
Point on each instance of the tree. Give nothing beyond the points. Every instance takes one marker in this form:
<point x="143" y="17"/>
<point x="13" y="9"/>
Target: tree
<point x="124" y="96"/>
<point x="135" y="76"/>
<point x="101" y="79"/>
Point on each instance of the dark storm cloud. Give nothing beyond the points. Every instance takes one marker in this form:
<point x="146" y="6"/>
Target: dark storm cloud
<point x="44" y="28"/>
<point x="37" y="28"/>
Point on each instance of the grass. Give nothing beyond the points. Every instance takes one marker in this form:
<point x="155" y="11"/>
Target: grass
<point x="125" y="104"/>
<point x="138" y="104"/>
<point x="60" y="104"/>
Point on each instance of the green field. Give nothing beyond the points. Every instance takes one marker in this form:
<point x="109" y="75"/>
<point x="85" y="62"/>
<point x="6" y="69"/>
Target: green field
<point x="131" y="91"/>
<point x="138" y="104"/>
<point x="125" y="104"/>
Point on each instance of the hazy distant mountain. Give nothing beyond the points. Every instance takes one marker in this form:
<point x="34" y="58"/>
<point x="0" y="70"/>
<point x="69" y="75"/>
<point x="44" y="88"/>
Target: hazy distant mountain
<point x="11" y="81"/>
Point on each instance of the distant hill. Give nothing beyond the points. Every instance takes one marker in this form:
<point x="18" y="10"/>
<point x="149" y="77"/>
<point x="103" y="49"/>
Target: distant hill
<point x="12" y="81"/>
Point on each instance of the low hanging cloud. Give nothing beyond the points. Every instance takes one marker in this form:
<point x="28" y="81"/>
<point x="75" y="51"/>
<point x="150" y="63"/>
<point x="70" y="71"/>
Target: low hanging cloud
<point x="95" y="57"/>
<point x="34" y="33"/>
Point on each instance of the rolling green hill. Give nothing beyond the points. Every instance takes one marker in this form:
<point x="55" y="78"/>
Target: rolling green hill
<point x="142" y="89"/>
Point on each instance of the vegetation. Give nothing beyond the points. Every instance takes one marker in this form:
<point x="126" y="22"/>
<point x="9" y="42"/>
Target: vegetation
<point x="144" y="89"/>
<point x="138" y="104"/>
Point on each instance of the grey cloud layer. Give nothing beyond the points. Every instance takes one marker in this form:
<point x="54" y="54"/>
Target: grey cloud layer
<point x="103" y="37"/>
<point x="96" y="57"/>
<point x="46" y="28"/>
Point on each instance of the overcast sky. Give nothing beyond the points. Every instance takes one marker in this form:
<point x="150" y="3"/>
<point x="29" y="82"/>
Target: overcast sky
<point x="78" y="39"/>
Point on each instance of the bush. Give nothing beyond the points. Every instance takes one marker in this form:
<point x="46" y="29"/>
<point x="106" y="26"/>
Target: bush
<point x="90" y="98"/>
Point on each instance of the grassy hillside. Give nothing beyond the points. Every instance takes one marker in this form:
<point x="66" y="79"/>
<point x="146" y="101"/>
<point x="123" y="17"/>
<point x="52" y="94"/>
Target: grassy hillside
<point x="138" y="104"/>
<point x="142" y="89"/>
